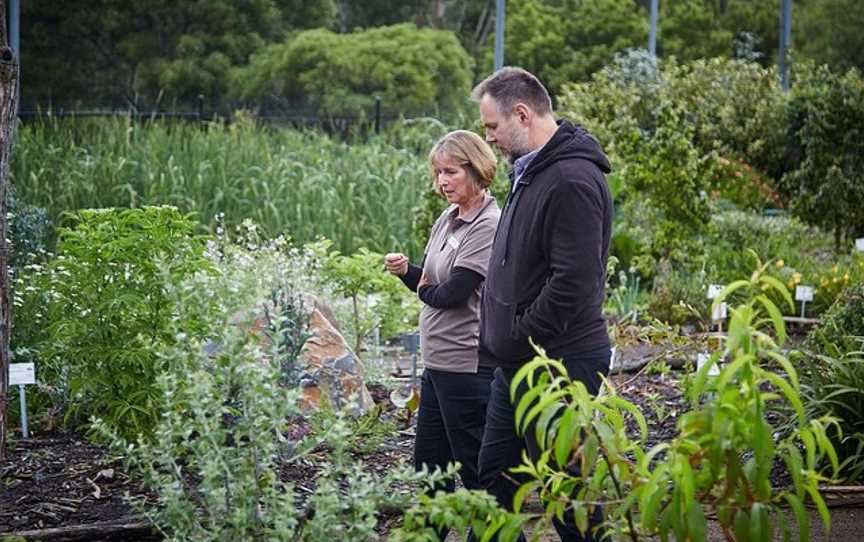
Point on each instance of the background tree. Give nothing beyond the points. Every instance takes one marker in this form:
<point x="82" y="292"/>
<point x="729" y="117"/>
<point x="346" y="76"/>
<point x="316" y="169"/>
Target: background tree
<point x="829" y="32"/>
<point x="414" y="71"/>
<point x="119" y="53"/>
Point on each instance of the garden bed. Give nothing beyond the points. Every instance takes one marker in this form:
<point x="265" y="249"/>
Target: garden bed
<point x="60" y="486"/>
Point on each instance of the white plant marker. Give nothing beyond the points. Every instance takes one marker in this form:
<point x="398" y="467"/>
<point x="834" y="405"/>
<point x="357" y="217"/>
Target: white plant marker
<point x="21" y="374"/>
<point x="701" y="359"/>
<point x="718" y="311"/>
<point x="714" y="290"/>
<point x="803" y="294"/>
<point x="859" y="244"/>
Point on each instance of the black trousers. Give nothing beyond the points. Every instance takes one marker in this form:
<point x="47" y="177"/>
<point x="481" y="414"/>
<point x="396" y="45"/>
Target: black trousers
<point x="502" y="447"/>
<point x="450" y="422"/>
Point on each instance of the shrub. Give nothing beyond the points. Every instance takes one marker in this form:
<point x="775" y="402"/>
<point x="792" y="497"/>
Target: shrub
<point x="107" y="305"/>
<point x="842" y="328"/>
<point x="28" y="231"/>
<point x="377" y="299"/>
<point x="827" y="115"/>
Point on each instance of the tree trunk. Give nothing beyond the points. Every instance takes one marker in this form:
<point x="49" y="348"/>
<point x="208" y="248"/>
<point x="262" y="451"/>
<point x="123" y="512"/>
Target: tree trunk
<point x="8" y="114"/>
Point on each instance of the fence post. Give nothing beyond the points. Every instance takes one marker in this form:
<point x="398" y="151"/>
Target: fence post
<point x="200" y="107"/>
<point x="377" y="114"/>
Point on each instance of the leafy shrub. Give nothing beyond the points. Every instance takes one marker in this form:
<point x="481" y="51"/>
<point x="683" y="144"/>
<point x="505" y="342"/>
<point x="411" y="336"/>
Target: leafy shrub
<point x="679" y="135"/>
<point x="28" y="231"/>
<point x="377" y="299"/>
<point x="827" y="115"/>
<point x="229" y="431"/>
<point x="411" y="69"/>
<point x="842" y="327"/>
<point x="679" y="296"/>
<point x="107" y="305"/>
<point x="801" y="254"/>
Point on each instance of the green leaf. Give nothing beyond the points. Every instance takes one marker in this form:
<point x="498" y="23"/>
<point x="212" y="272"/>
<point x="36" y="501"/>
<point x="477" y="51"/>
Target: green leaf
<point x="801" y="516"/>
<point x="776" y="318"/>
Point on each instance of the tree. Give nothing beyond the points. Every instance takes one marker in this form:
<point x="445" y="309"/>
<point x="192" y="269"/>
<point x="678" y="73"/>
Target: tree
<point x="8" y="115"/>
<point x="413" y="70"/>
<point x="567" y="40"/>
<point x="120" y="53"/>
<point x="829" y="32"/>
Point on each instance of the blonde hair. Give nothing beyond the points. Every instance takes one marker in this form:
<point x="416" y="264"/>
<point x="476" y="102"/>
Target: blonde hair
<point x="469" y="151"/>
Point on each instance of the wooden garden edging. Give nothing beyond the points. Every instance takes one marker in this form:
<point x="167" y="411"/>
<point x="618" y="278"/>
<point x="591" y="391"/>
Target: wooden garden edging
<point x="126" y="528"/>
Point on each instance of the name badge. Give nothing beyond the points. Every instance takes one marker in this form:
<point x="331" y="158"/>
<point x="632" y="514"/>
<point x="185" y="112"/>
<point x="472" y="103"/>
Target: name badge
<point x="453" y="242"/>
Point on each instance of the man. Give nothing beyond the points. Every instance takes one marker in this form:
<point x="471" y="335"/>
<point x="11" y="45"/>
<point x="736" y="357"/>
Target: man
<point x="547" y="270"/>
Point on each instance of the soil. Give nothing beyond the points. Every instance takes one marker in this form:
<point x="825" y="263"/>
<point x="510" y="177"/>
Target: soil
<point x="60" y="479"/>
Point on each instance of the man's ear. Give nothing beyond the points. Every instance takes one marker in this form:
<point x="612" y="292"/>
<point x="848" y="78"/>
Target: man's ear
<point x="523" y="113"/>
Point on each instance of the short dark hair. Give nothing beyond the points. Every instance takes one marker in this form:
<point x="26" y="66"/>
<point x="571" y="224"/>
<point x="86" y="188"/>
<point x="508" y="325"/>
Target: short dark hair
<point x="511" y="85"/>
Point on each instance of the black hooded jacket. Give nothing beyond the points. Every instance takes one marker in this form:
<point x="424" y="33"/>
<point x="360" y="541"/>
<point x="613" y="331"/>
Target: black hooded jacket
<point x="547" y="270"/>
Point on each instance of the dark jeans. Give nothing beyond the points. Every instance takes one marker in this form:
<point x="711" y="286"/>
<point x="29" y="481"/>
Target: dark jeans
<point x="450" y="422"/>
<point x="502" y="447"/>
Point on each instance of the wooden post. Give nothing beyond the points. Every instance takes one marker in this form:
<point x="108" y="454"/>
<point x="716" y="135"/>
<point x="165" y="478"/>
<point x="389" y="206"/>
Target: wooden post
<point x="8" y="117"/>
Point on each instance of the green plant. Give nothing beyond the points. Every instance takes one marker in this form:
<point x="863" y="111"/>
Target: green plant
<point x="303" y="185"/>
<point x="827" y="112"/>
<point x="678" y="296"/>
<point x="107" y="304"/>
<point x="377" y="298"/>
<point x="461" y="510"/>
<point x="342" y="73"/>
<point x="366" y="433"/>
<point x="230" y="432"/>
<point x="625" y="298"/>
<point x="832" y="379"/>
<point x="720" y="462"/>
<point x="842" y="326"/>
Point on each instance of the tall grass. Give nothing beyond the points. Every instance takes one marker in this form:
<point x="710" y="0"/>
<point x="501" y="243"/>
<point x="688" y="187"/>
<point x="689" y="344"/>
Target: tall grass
<point x="302" y="184"/>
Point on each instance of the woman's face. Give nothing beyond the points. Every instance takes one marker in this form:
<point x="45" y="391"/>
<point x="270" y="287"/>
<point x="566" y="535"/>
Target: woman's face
<point x="454" y="180"/>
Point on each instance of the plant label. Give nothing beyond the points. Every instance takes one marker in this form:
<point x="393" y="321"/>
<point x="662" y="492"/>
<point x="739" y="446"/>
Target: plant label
<point x="714" y="290"/>
<point x="718" y="312"/>
<point x="702" y="359"/>
<point x="859" y="244"/>
<point x="803" y="293"/>
<point x="21" y="374"/>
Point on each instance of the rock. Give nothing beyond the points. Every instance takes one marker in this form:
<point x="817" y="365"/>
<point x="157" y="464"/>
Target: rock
<point x="330" y="370"/>
<point x="327" y="368"/>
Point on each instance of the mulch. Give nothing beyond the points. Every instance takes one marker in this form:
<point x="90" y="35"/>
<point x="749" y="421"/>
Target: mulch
<point x="60" y="479"/>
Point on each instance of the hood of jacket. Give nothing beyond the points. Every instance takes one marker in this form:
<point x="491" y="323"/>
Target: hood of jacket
<point x="570" y="141"/>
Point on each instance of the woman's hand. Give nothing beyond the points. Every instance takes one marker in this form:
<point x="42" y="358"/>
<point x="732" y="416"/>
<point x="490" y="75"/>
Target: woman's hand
<point x="396" y="263"/>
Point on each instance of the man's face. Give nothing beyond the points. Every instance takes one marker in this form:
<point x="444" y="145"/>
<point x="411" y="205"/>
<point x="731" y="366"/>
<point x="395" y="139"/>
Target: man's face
<point x="503" y="131"/>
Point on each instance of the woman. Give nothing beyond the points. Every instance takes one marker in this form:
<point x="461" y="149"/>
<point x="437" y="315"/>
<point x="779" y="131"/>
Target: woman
<point x="454" y="389"/>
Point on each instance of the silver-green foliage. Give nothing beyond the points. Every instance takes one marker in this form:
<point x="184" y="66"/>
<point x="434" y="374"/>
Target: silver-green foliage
<point x="228" y="427"/>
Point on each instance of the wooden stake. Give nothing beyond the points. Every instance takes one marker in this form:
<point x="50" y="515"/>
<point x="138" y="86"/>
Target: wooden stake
<point x="8" y="117"/>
